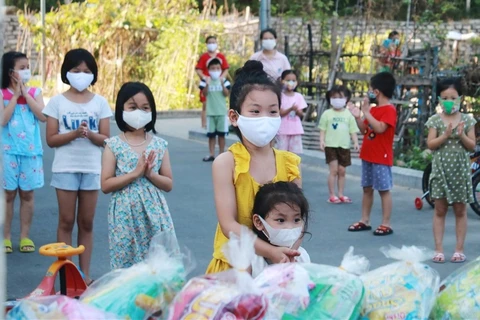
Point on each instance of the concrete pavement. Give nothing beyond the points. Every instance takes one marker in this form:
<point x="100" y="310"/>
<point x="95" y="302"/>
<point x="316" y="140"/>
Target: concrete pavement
<point x="192" y="208"/>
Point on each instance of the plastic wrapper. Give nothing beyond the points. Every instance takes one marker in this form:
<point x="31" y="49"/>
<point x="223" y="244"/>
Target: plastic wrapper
<point x="313" y="291"/>
<point x="459" y="298"/>
<point x="229" y="295"/>
<point x="402" y="290"/>
<point x="58" y="308"/>
<point x="144" y="290"/>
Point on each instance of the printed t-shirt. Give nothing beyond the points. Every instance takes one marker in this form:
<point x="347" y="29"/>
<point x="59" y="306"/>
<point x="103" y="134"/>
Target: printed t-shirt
<point x="216" y="102"/>
<point x="273" y="66"/>
<point x="291" y="123"/>
<point x="338" y="126"/>
<point x="202" y="63"/>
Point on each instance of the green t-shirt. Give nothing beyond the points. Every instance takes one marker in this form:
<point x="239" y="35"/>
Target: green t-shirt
<point x="338" y="126"/>
<point x="216" y="100"/>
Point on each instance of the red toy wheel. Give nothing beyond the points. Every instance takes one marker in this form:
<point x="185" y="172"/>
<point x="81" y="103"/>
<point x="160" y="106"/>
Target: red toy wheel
<point x="418" y="203"/>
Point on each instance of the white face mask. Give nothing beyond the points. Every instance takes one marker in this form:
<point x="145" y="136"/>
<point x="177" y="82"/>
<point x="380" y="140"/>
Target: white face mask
<point x="25" y="75"/>
<point x="269" y="44"/>
<point x="137" y="119"/>
<point x="211" y="47"/>
<point x="338" y="103"/>
<point x="80" y="80"/>
<point x="215" y="75"/>
<point x="259" y="131"/>
<point x="282" y="237"/>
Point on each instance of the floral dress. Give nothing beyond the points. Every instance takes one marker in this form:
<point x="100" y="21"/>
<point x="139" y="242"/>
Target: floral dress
<point x="451" y="176"/>
<point x="138" y="211"/>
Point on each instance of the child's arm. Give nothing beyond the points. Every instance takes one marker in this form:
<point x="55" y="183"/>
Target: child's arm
<point x="55" y="139"/>
<point x="285" y="112"/>
<point x="225" y="87"/>
<point x="8" y="110"/>
<point x="355" y="140"/>
<point x="377" y="126"/>
<point x="111" y="183"/>
<point x="36" y="105"/>
<point x="322" y="140"/>
<point x="162" y="179"/>
<point x="468" y="139"/>
<point x="226" y="207"/>
<point x="99" y="138"/>
<point x="434" y="142"/>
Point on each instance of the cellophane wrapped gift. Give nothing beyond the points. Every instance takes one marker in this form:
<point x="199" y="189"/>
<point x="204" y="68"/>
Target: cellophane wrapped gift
<point x="145" y="290"/>
<point x="402" y="290"/>
<point x="229" y="295"/>
<point x="56" y="307"/>
<point x="459" y="297"/>
<point x="313" y="291"/>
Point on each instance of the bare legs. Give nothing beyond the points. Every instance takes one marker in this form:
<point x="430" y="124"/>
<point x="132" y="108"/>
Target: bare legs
<point x="460" y="211"/>
<point x="204" y="114"/>
<point x="67" y="204"/>
<point x="26" y="213"/>
<point x="211" y="145"/>
<point x="337" y="174"/>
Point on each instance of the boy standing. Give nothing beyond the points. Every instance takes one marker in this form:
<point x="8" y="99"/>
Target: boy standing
<point x="378" y="125"/>
<point x="216" y="89"/>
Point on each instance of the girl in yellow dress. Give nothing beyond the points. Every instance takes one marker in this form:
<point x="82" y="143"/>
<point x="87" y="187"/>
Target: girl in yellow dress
<point x="251" y="163"/>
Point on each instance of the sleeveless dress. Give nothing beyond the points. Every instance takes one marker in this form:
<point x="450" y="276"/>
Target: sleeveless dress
<point x="138" y="211"/>
<point x="451" y="174"/>
<point x="246" y="188"/>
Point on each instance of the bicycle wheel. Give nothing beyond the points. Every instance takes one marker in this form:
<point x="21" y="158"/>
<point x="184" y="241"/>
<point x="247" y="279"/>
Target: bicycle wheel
<point x="426" y="184"/>
<point x="476" y="193"/>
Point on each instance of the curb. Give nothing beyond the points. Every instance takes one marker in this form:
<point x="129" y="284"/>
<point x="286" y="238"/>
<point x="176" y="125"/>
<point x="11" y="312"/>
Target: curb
<point x="404" y="177"/>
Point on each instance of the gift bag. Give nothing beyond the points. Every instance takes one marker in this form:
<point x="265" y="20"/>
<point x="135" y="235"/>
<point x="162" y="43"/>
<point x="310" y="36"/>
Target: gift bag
<point x="313" y="291"/>
<point x="459" y="297"/>
<point x="402" y="290"/>
<point x="227" y="295"/>
<point x="58" y="308"/>
<point x="144" y="290"/>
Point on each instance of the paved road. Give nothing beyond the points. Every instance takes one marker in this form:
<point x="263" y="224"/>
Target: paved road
<point x="192" y="208"/>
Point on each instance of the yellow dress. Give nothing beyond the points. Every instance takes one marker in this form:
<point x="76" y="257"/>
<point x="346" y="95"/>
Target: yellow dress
<point x="246" y="188"/>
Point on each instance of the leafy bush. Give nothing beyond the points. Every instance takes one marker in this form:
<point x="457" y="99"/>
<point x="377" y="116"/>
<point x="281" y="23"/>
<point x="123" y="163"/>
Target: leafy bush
<point x="414" y="158"/>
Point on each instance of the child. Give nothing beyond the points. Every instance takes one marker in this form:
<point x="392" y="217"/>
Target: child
<point x="22" y="145"/>
<point x="337" y="126"/>
<point x="239" y="173"/>
<point x="280" y="217"/>
<point x="77" y="125"/>
<point x="451" y="136"/>
<point x="136" y="169"/>
<point x="216" y="89"/>
<point x="378" y="125"/>
<point x="289" y="136"/>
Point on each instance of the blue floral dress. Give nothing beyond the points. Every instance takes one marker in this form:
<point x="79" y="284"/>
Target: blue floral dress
<point x="138" y="211"/>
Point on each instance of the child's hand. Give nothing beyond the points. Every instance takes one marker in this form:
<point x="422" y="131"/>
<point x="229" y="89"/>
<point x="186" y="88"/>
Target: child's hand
<point x="23" y="89"/>
<point x="366" y="106"/>
<point x="17" y="90"/>
<point x="355" y="111"/>
<point x="82" y="130"/>
<point x="461" y="128"/>
<point x="356" y="147"/>
<point x="150" y="163"/>
<point x="208" y="80"/>
<point x="283" y="255"/>
<point x="141" y="166"/>
<point x="448" y="131"/>
<point x="322" y="145"/>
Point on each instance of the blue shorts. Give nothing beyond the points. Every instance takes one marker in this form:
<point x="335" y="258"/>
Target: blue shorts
<point x="21" y="172"/>
<point x="76" y="181"/>
<point x="377" y="176"/>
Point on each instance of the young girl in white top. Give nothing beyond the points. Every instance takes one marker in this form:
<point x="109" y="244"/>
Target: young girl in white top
<point x="280" y="217"/>
<point x="78" y="124"/>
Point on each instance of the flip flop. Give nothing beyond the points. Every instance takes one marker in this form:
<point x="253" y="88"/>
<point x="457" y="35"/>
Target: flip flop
<point x="438" y="258"/>
<point x="359" y="226"/>
<point x="383" y="231"/>
<point x="345" y="199"/>
<point x="334" y="200"/>
<point x="7" y="243"/>
<point x="27" y="245"/>
<point x="458" y="257"/>
<point x="208" y="159"/>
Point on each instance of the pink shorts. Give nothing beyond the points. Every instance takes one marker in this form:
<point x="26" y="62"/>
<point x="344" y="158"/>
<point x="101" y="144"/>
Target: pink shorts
<point x="292" y="143"/>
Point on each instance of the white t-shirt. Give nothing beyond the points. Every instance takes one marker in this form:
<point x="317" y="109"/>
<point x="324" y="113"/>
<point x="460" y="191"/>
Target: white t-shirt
<point x="80" y="155"/>
<point x="259" y="263"/>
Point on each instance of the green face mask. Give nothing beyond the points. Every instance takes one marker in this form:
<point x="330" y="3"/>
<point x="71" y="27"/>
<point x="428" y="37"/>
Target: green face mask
<point x="450" y="106"/>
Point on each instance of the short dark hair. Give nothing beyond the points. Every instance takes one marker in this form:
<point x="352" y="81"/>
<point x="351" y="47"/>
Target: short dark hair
<point x="384" y="82"/>
<point x="453" y="83"/>
<point x="273" y="194"/>
<point x="251" y="77"/>
<point x="214" y="62"/>
<point x="393" y="34"/>
<point x="8" y="65"/>
<point x="210" y="37"/>
<point x="127" y="91"/>
<point x="338" y="89"/>
<point x="268" y="30"/>
<point x="73" y="59"/>
<point x="287" y="72"/>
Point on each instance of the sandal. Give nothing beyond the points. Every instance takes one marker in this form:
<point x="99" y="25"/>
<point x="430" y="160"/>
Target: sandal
<point x="345" y="199"/>
<point x="359" y="226"/>
<point x="27" y="245"/>
<point x="7" y="244"/>
<point x="439" y="257"/>
<point x="334" y="200"/>
<point x="208" y="159"/>
<point x="383" y="231"/>
<point x="458" y="257"/>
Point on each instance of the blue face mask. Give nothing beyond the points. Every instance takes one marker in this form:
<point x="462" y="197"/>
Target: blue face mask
<point x="372" y="97"/>
<point x="396" y="42"/>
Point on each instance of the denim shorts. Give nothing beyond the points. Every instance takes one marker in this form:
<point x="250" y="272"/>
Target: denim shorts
<point x="76" y="181"/>
<point x="377" y="176"/>
<point x="21" y="172"/>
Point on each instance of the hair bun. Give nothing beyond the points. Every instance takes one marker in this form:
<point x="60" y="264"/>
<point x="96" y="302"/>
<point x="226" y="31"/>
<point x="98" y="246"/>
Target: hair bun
<point x="251" y="68"/>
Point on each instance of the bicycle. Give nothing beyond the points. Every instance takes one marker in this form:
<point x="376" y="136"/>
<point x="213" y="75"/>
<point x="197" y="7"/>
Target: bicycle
<point x="72" y="283"/>
<point x="475" y="168"/>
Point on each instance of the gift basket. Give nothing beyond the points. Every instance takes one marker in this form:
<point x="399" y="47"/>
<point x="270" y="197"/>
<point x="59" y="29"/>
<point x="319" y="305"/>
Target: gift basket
<point x="227" y="295"/>
<point x="145" y="290"/>
<point x="313" y="291"/>
<point x="402" y="290"/>
<point x="459" y="297"/>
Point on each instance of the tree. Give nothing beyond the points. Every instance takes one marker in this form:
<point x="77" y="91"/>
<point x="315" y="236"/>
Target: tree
<point x="35" y="4"/>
